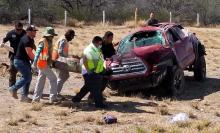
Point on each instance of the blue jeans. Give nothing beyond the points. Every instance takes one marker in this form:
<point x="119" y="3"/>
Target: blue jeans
<point x="24" y="82"/>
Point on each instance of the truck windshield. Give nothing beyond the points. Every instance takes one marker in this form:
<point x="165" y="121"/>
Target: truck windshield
<point x="140" y="39"/>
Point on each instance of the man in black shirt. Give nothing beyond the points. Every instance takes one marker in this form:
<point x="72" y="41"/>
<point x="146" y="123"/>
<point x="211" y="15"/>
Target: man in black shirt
<point x="13" y="37"/>
<point x="152" y="21"/>
<point x="22" y="63"/>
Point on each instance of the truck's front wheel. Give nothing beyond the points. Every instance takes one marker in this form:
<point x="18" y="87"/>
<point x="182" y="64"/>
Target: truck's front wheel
<point x="175" y="81"/>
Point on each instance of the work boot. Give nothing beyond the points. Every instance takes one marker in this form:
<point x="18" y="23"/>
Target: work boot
<point x="101" y="106"/>
<point x="91" y="99"/>
<point x="75" y="100"/>
<point x="60" y="97"/>
<point x="13" y="93"/>
<point x="54" y="100"/>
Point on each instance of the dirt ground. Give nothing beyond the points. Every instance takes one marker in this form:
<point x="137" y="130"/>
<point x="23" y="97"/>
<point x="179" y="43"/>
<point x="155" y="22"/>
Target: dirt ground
<point x="136" y="114"/>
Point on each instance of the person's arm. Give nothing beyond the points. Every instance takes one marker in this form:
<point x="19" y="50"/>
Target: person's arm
<point x="37" y="54"/>
<point x="29" y="52"/>
<point x="61" y="47"/>
<point x="113" y="49"/>
<point x="7" y="37"/>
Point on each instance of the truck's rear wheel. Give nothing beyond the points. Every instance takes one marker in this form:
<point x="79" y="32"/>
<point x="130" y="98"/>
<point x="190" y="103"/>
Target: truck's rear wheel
<point x="200" y="69"/>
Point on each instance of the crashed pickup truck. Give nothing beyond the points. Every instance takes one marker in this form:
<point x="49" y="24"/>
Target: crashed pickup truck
<point x="157" y="56"/>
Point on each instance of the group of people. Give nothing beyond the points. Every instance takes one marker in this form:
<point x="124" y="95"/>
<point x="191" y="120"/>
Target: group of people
<point x="46" y="57"/>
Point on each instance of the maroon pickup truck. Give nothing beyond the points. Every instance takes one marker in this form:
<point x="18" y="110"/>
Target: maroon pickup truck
<point x="157" y="56"/>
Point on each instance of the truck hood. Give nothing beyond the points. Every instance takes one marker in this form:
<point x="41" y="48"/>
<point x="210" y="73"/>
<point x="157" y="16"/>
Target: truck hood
<point x="147" y="51"/>
<point x="151" y="54"/>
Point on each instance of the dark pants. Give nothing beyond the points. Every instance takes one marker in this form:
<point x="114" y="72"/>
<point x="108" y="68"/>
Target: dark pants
<point x="104" y="84"/>
<point x="12" y="73"/>
<point x="24" y="68"/>
<point x="93" y="84"/>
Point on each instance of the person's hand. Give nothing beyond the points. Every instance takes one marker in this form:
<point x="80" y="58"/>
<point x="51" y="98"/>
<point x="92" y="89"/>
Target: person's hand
<point x="91" y="72"/>
<point x="34" y="69"/>
<point x="76" y="56"/>
<point x="2" y="45"/>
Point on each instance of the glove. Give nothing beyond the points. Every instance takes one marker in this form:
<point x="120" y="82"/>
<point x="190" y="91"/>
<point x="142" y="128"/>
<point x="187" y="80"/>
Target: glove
<point x="34" y="69"/>
<point x="107" y="72"/>
<point x="2" y="45"/>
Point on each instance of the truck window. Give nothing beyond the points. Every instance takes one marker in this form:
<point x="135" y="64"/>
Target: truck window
<point x="172" y="38"/>
<point x="179" y="31"/>
<point x="141" y="39"/>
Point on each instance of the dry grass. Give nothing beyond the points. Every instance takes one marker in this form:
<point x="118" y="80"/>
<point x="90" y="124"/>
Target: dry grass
<point x="89" y="119"/>
<point x="140" y="130"/>
<point x="25" y="117"/>
<point x="192" y="115"/>
<point x="132" y="24"/>
<point x="97" y="131"/>
<point x="195" y="105"/>
<point x="158" y="129"/>
<point x="75" y="23"/>
<point x="13" y="122"/>
<point x="217" y="114"/>
<point x="36" y="107"/>
<point x="203" y="125"/>
<point x="163" y="111"/>
<point x="185" y="124"/>
<point x="61" y="113"/>
<point x="33" y="121"/>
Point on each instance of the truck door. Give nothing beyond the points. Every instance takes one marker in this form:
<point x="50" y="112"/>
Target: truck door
<point x="184" y="46"/>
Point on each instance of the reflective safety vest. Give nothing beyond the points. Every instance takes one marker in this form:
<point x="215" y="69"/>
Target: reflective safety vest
<point x="57" y="50"/>
<point x="42" y="61"/>
<point x="95" y="60"/>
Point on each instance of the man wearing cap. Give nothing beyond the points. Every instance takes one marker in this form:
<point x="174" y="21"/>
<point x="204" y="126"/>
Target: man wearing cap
<point x="14" y="36"/>
<point x="61" y="50"/>
<point x="43" y="61"/>
<point x="22" y="59"/>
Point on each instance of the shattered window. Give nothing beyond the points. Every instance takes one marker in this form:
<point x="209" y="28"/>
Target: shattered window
<point x="140" y="39"/>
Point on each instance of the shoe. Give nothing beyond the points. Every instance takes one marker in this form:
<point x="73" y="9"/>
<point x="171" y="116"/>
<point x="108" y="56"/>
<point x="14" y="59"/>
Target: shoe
<point x="13" y="93"/>
<point x="60" y="97"/>
<point x="91" y="99"/>
<point x="75" y="100"/>
<point x="26" y="99"/>
<point x="54" y="101"/>
<point x="102" y="106"/>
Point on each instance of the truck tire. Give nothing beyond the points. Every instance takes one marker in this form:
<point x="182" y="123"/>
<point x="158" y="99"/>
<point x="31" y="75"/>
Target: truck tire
<point x="200" y="69"/>
<point x="175" y="81"/>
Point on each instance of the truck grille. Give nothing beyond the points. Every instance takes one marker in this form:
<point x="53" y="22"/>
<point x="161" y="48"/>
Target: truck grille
<point x="131" y="65"/>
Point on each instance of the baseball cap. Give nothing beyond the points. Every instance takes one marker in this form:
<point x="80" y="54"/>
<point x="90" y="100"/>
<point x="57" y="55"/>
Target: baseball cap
<point x="31" y="28"/>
